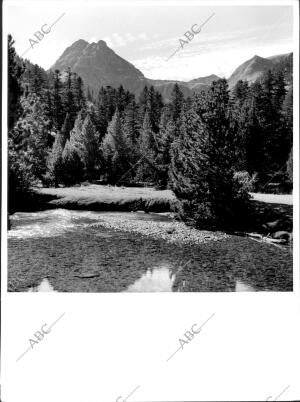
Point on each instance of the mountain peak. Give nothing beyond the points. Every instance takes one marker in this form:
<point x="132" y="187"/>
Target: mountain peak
<point x="79" y="42"/>
<point x="102" y="43"/>
<point x="253" y="68"/>
<point x="98" y="64"/>
<point x="257" y="59"/>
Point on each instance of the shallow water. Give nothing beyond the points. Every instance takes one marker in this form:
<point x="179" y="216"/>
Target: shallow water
<point x="44" y="286"/>
<point x="158" y="279"/>
<point x="55" y="222"/>
<point x="241" y="286"/>
<point x="161" y="279"/>
<point x="70" y="251"/>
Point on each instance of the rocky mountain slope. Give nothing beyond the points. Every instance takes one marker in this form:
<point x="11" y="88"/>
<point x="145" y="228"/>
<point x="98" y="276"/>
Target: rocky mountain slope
<point x="98" y="65"/>
<point x="252" y="69"/>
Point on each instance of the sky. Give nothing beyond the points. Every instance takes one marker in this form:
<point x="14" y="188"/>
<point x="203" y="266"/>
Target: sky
<point x="147" y="34"/>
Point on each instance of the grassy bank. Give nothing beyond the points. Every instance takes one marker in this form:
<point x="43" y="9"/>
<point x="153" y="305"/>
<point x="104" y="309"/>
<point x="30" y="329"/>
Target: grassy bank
<point x="97" y="198"/>
<point x="93" y="197"/>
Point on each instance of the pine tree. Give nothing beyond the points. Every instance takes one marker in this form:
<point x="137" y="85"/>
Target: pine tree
<point x="279" y="91"/>
<point x="38" y="140"/>
<point x="89" y="149"/>
<point x="148" y="149"/>
<point x="55" y="160"/>
<point x="68" y="100"/>
<point x="271" y="119"/>
<point x="55" y="163"/>
<point x="281" y="144"/>
<point x="240" y="92"/>
<point x="189" y="168"/>
<point x="142" y="102"/>
<point x="241" y="105"/>
<point x="203" y="162"/>
<point x="131" y="124"/>
<point x="165" y="117"/>
<point x="66" y="129"/>
<point x="131" y="130"/>
<point x="72" y="166"/>
<point x="115" y="150"/>
<point x="165" y="140"/>
<point x="20" y="177"/>
<point x="79" y="97"/>
<point x="288" y="108"/>
<point x="76" y="136"/>
<point x="31" y="135"/>
<point x="120" y="98"/>
<point x="15" y="71"/>
<point x="176" y="103"/>
<point x="260" y="132"/>
<point x="49" y="112"/>
<point x="101" y="120"/>
<point x="38" y="82"/>
<point x="153" y="107"/>
<point x="89" y="94"/>
<point x="111" y="103"/>
<point x="58" y="113"/>
<point x="268" y="81"/>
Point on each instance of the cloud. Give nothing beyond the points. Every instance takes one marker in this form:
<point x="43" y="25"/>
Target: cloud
<point x="192" y="63"/>
<point x="118" y="40"/>
<point x="129" y="37"/>
<point x="142" y="36"/>
<point x="93" y="39"/>
<point x="108" y="41"/>
<point x="212" y="41"/>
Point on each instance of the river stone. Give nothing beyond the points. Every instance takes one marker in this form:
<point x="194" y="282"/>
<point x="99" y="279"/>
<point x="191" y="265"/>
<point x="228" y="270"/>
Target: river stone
<point x="278" y="225"/>
<point x="87" y="275"/>
<point x="273" y="226"/>
<point x="281" y="234"/>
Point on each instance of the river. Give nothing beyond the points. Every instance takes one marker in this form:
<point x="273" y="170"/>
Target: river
<point x="82" y="251"/>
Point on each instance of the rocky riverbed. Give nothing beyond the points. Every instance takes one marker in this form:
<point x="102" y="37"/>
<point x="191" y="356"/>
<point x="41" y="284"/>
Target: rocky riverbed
<point x="158" y="226"/>
<point x="83" y="251"/>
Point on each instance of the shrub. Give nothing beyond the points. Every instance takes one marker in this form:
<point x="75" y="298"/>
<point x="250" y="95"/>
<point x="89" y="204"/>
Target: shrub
<point x="244" y="181"/>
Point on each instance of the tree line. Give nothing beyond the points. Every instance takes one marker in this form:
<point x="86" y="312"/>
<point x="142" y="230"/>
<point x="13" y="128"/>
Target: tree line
<point x="209" y="148"/>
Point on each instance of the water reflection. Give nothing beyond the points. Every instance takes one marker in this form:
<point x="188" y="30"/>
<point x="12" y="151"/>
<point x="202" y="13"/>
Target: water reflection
<point x="241" y="286"/>
<point x="161" y="279"/>
<point x="44" y="286"/>
<point x="154" y="280"/>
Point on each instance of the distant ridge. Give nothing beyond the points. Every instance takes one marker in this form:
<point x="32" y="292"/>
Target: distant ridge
<point x="253" y="68"/>
<point x="99" y="65"/>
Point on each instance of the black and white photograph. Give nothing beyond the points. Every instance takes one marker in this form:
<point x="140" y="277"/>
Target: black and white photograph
<point x="150" y="201"/>
<point x="152" y="159"/>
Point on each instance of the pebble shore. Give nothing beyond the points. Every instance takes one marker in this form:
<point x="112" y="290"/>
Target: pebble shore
<point x="170" y="230"/>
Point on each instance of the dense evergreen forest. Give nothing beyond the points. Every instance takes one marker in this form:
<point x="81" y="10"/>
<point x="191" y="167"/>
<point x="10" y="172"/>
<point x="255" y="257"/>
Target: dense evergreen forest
<point x="210" y="149"/>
